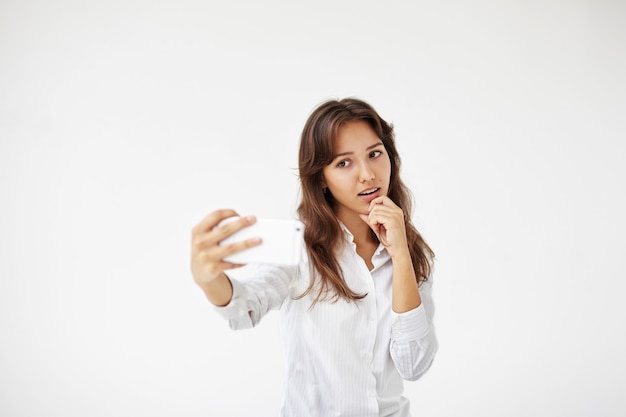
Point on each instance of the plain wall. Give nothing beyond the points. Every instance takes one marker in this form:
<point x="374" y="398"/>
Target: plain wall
<point x="123" y="123"/>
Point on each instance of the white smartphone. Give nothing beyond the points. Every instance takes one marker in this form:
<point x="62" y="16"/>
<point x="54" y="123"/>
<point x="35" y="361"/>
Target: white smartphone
<point x="282" y="242"/>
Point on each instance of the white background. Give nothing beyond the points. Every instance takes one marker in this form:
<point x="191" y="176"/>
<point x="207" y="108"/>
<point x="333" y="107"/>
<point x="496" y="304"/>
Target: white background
<point x="122" y="123"/>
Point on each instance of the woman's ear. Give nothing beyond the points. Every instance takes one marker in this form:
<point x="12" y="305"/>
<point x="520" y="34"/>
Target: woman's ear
<point x="324" y="187"/>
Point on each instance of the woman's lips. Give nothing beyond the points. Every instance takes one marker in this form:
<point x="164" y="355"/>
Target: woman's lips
<point x="369" y="194"/>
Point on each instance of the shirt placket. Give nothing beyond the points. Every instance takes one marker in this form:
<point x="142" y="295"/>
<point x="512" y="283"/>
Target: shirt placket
<point x="371" y="313"/>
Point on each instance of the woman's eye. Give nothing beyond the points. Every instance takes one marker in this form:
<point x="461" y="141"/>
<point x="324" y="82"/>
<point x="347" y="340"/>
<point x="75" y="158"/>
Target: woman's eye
<point x="343" y="164"/>
<point x="375" y="154"/>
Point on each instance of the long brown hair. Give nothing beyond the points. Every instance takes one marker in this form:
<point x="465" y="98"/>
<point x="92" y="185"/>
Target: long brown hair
<point x="322" y="234"/>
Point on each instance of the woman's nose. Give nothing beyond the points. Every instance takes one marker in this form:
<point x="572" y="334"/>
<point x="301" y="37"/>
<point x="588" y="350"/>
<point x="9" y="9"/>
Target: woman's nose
<point x="366" y="173"/>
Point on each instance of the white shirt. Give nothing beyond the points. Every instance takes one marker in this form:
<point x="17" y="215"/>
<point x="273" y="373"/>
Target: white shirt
<point x="343" y="359"/>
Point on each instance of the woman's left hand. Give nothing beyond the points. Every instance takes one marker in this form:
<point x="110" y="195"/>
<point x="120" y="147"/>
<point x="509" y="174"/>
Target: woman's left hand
<point x="387" y="220"/>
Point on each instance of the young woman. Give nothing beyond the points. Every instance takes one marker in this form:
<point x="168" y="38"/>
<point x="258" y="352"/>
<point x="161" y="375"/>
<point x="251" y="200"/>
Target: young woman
<point x="356" y="314"/>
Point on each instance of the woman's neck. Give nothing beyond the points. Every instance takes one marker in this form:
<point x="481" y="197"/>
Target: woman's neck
<point x="363" y="238"/>
<point x="361" y="232"/>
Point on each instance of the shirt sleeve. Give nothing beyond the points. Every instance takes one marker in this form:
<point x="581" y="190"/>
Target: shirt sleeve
<point x="262" y="290"/>
<point x="413" y="339"/>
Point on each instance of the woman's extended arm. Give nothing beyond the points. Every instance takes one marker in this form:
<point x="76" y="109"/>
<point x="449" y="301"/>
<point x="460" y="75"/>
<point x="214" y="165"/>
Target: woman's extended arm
<point x="207" y="264"/>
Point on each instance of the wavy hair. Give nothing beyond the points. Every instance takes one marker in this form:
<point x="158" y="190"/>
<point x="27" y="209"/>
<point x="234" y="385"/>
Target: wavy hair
<point x="322" y="234"/>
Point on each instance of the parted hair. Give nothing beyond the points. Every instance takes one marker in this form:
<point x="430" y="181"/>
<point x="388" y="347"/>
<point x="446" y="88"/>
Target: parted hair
<point x="322" y="233"/>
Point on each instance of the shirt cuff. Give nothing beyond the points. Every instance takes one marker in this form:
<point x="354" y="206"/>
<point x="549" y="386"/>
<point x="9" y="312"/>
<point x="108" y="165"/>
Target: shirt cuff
<point x="411" y="325"/>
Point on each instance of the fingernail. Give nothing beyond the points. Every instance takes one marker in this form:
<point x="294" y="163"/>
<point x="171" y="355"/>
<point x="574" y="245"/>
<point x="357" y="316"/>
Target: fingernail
<point x="250" y="218"/>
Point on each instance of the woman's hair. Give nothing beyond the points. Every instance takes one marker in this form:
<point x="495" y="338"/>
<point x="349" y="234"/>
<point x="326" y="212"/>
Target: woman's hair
<point x="322" y="234"/>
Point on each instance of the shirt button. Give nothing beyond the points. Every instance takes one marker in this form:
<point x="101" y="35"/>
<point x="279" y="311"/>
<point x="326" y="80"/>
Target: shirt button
<point x="371" y="393"/>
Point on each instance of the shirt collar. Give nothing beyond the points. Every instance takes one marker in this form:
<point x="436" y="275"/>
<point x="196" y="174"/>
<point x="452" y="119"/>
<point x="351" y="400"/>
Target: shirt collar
<point x="350" y="239"/>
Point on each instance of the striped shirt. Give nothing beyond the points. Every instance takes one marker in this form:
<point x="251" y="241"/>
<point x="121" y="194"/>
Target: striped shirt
<point x="343" y="358"/>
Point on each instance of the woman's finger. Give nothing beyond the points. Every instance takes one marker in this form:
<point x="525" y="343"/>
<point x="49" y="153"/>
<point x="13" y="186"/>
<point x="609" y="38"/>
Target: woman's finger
<point x="224" y="230"/>
<point x="213" y="219"/>
<point x="224" y="251"/>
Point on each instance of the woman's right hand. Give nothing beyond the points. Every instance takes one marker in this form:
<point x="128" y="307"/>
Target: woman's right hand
<point x="207" y="256"/>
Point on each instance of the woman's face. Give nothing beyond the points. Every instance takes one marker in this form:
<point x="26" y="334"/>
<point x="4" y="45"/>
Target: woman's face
<point x="360" y="170"/>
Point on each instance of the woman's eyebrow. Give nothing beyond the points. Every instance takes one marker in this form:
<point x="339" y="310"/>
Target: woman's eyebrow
<point x="374" y="145"/>
<point x="351" y="152"/>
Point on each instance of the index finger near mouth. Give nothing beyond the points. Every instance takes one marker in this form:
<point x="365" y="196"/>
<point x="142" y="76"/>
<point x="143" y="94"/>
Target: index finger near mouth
<point x="376" y="201"/>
